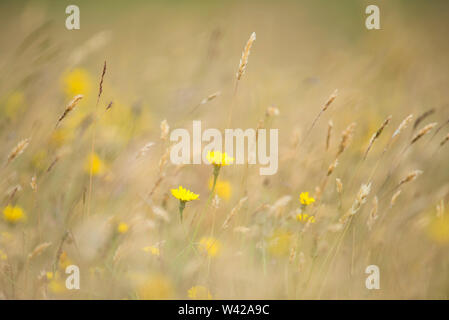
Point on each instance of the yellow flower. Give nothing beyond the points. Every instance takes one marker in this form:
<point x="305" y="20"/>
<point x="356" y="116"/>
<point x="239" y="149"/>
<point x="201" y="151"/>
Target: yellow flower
<point x="64" y="261"/>
<point x="39" y="160"/>
<point x="56" y="286"/>
<point x="222" y="188"/>
<point x="55" y="283"/>
<point x="199" y="293"/>
<point x="279" y="243"/>
<point x="152" y="249"/>
<point x="122" y="228"/>
<point x="304" y="217"/>
<point x="13" y="214"/>
<point x="305" y="199"/>
<point x="184" y="194"/>
<point x="95" y="164"/>
<point x="77" y="81"/>
<point x="210" y="246"/>
<point x="3" y="255"/>
<point x="439" y="229"/>
<point x="61" y="136"/>
<point x="14" y="103"/>
<point x="218" y="158"/>
<point x="157" y="287"/>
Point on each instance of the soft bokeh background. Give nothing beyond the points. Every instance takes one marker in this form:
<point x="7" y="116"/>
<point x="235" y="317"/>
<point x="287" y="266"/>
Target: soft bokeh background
<point x="163" y="58"/>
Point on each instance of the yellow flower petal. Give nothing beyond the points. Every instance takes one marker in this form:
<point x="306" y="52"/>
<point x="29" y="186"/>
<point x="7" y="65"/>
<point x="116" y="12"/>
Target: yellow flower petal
<point x="210" y="246"/>
<point x="222" y="188"/>
<point x="95" y="164"/>
<point x="184" y="194"/>
<point x="305" y="199"/>
<point x="77" y="81"/>
<point x="122" y="228"/>
<point x="219" y="159"/>
<point x="13" y="214"/>
<point x="152" y="249"/>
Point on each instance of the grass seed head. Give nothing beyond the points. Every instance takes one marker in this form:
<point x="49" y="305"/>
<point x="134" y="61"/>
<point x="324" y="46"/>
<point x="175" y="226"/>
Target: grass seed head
<point x="410" y="177"/>
<point x="210" y="97"/>
<point x="330" y="126"/>
<point x="395" y="197"/>
<point x="165" y="128"/>
<point x="376" y="135"/>
<point x="18" y="149"/>
<point x="331" y="99"/>
<point x="245" y="55"/>
<point x="339" y="185"/>
<point x="346" y="138"/>
<point x="404" y="124"/>
<point x="233" y="212"/>
<point x="425" y="130"/>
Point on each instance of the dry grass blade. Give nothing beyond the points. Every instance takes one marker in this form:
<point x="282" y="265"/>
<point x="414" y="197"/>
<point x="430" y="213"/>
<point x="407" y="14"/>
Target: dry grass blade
<point x="326" y="105"/>
<point x="210" y="97"/>
<point x="92" y="146"/>
<point x="403" y="125"/>
<point x="38" y="250"/>
<point x="161" y="213"/>
<point x="373" y="213"/>
<point x="143" y="151"/>
<point x="272" y="111"/>
<point x="33" y="183"/>
<point x="18" y="149"/>
<point x="440" y="127"/>
<point x="119" y="253"/>
<point x="70" y="106"/>
<point x="52" y="164"/>
<point x="361" y="197"/>
<point x="444" y="140"/>
<point x="395" y="197"/>
<point x="100" y="90"/>
<point x="165" y="128"/>
<point x="60" y="248"/>
<point x="292" y="255"/>
<point x="332" y="167"/>
<point x="425" y="130"/>
<point x="233" y="212"/>
<point x="376" y="135"/>
<point x="363" y="193"/>
<point x="109" y="106"/>
<point x="410" y="177"/>
<point x="13" y="191"/>
<point x="422" y="117"/>
<point x="339" y="185"/>
<point x="164" y="159"/>
<point x="278" y="207"/>
<point x="330" y="100"/>
<point x="245" y="56"/>
<point x="330" y="126"/>
<point x="346" y="138"/>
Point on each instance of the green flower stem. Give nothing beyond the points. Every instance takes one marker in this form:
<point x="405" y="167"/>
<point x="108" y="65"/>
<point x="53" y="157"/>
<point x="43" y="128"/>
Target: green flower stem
<point x="216" y="173"/>
<point x="182" y="205"/>
<point x="209" y="200"/>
